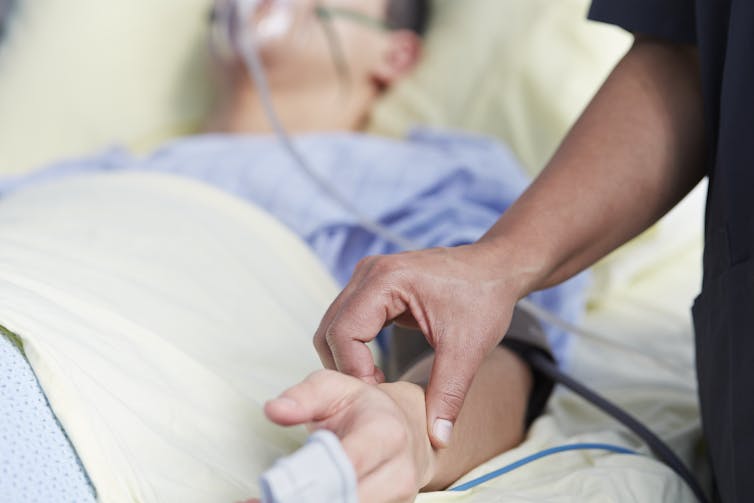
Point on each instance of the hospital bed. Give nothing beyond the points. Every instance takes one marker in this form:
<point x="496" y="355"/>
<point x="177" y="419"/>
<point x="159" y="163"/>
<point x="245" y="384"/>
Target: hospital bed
<point x="97" y="73"/>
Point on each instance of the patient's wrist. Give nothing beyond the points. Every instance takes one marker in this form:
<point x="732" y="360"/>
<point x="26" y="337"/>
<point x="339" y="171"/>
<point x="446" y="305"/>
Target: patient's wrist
<point x="410" y="398"/>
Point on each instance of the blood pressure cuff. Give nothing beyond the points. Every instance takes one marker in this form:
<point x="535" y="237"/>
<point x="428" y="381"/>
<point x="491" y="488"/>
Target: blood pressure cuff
<point x="524" y="338"/>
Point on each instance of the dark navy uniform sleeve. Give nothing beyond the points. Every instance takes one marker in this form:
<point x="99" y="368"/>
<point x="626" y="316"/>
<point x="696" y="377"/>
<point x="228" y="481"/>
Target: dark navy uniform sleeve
<point x="672" y="20"/>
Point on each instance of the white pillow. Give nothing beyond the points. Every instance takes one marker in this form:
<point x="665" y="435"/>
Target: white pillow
<point x="77" y="75"/>
<point x="519" y="70"/>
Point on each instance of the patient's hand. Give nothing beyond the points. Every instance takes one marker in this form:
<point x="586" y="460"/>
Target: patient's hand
<point x="382" y="429"/>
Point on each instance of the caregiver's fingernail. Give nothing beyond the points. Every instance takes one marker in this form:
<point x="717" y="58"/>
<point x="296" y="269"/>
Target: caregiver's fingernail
<point x="442" y="430"/>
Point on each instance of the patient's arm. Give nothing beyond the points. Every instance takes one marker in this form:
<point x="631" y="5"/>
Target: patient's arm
<point x="492" y="418"/>
<point x="383" y="428"/>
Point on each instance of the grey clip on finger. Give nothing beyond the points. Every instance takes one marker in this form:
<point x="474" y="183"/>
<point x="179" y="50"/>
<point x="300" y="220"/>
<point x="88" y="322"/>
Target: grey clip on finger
<point x="320" y="471"/>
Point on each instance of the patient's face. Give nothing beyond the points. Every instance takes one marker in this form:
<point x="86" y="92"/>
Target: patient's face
<point x="305" y="56"/>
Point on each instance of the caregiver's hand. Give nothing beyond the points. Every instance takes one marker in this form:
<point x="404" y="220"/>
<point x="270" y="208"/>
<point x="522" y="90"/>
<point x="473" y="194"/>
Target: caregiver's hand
<point x="382" y="430"/>
<point x="460" y="298"/>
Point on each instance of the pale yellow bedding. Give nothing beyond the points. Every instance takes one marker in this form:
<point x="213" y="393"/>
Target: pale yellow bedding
<point x="159" y="314"/>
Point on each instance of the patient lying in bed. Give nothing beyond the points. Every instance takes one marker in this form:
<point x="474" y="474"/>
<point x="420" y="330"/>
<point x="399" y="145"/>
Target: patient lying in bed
<point x="438" y="189"/>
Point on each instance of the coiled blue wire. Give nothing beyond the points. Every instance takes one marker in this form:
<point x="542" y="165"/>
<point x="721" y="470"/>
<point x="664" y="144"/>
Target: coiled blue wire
<point x="539" y="455"/>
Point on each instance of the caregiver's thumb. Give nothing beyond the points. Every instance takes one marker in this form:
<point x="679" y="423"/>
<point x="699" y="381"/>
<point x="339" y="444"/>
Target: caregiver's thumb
<point x="452" y="375"/>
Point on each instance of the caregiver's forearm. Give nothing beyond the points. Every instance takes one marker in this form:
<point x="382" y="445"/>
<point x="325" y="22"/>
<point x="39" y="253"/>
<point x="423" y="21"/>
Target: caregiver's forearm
<point x="635" y="152"/>
<point x="492" y="418"/>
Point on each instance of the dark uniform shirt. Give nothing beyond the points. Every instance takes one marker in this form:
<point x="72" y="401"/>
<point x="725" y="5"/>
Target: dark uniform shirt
<point x="723" y="31"/>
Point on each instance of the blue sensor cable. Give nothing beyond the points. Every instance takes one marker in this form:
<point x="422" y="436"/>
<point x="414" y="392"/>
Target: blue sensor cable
<point x="539" y="455"/>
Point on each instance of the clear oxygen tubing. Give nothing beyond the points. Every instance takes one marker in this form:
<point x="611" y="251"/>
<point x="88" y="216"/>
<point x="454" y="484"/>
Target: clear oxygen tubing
<point x="250" y="55"/>
<point x="248" y="48"/>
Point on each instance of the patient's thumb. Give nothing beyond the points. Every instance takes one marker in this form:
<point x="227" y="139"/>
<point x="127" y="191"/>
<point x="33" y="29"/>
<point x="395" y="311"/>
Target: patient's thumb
<point x="450" y="381"/>
<point x="285" y="411"/>
<point x="313" y="399"/>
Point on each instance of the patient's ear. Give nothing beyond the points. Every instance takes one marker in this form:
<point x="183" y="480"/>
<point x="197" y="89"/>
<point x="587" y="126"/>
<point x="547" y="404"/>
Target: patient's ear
<point x="400" y="57"/>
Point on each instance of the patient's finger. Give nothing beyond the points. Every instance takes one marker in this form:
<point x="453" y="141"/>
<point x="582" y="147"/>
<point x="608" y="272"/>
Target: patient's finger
<point x="317" y="398"/>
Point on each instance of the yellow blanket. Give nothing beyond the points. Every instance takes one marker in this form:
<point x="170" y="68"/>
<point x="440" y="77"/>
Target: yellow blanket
<point x="159" y="314"/>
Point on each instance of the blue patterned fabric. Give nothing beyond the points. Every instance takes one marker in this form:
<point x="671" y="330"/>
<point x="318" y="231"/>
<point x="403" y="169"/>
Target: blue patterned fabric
<point x="37" y="462"/>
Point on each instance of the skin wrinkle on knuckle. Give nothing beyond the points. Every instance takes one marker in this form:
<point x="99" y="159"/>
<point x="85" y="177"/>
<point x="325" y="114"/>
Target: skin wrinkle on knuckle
<point x="337" y="344"/>
<point x="395" y="305"/>
<point x="332" y="336"/>
<point x="360" y="306"/>
<point x="439" y="333"/>
<point x="475" y="349"/>
<point x="320" y="336"/>
<point x="380" y="264"/>
<point x="338" y="406"/>
<point x="338" y="340"/>
<point x="452" y="395"/>
<point x="320" y="343"/>
<point x="383" y="287"/>
<point x="386" y="269"/>
<point x="329" y="379"/>
<point x="364" y="263"/>
<point x="422" y="317"/>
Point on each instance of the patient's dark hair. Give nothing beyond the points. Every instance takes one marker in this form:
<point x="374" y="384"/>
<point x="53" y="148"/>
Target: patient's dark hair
<point x="408" y="15"/>
<point x="6" y="6"/>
